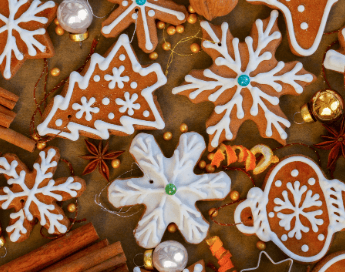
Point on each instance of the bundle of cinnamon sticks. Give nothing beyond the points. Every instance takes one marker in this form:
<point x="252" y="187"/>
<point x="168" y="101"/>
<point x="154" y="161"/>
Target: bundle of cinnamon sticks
<point x="75" y="251"/>
<point x="7" y="102"/>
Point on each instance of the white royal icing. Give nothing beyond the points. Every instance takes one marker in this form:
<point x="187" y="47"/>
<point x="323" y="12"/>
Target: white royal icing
<point x="197" y="268"/>
<point x="42" y="173"/>
<point x="331" y="262"/>
<point x="58" y="122"/>
<point x="159" y="171"/>
<point x="301" y="8"/>
<point x="101" y="127"/>
<point x="260" y="98"/>
<point x="128" y="103"/>
<point x="85" y="107"/>
<point x="305" y="248"/>
<point x="96" y="78"/>
<point x="146" y="113"/>
<point x="258" y="199"/>
<point x="116" y="78"/>
<point x="334" y="60"/>
<point x="145" y="9"/>
<point x="27" y="36"/>
<point x="290" y="27"/>
<point x="111" y="116"/>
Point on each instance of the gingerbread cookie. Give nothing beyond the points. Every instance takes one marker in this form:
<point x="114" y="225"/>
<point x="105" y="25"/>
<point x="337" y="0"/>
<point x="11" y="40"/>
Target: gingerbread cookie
<point x="34" y="194"/>
<point x="23" y="33"/>
<point x="299" y="209"/>
<point x="305" y="20"/>
<point x="335" y="60"/>
<point x="245" y="81"/>
<point x="143" y="13"/>
<point x="113" y="95"/>
<point x="332" y="263"/>
<point x="169" y="189"/>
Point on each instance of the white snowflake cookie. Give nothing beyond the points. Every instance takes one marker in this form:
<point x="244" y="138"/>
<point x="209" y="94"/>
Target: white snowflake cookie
<point x="34" y="194"/>
<point x="169" y="189"/>
<point x="299" y="209"/>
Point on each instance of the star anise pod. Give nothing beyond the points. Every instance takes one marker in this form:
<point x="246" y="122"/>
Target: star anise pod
<point x="335" y="142"/>
<point x="98" y="157"/>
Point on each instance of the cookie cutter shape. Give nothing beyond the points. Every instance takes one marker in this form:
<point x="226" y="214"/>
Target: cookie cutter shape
<point x="270" y="259"/>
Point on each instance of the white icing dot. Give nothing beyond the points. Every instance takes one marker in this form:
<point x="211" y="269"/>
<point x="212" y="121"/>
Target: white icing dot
<point x="122" y="57"/>
<point x="271" y="214"/>
<point x="134" y="16"/>
<point x="305" y="248"/>
<point x="151" y="13"/>
<point x="96" y="78"/>
<point x="278" y="183"/>
<point x="311" y="181"/>
<point x="106" y="101"/>
<point x="284" y="237"/>
<point x="294" y="173"/>
<point x="304" y="26"/>
<point x="58" y="122"/>
<point x="321" y="237"/>
<point x="125" y="3"/>
<point x="111" y="116"/>
<point x="134" y="85"/>
<point x="301" y="8"/>
<point x="146" y="113"/>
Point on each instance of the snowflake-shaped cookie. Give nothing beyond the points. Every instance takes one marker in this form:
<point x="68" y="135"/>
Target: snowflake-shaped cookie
<point x="33" y="194"/>
<point x="119" y="107"/>
<point x="23" y="33"/>
<point x="169" y="189"/>
<point x="143" y="13"/>
<point x="245" y="81"/>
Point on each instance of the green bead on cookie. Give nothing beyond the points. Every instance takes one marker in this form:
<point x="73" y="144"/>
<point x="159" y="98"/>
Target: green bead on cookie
<point x="243" y="80"/>
<point x="140" y="2"/>
<point x="170" y="189"/>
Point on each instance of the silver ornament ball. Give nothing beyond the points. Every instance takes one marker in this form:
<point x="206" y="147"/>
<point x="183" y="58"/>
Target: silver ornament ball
<point x="75" y="16"/>
<point x="170" y="256"/>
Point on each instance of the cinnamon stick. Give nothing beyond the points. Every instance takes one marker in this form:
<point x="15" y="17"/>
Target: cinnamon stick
<point x="6" y="119"/>
<point x="121" y="268"/>
<point x="17" y="139"/>
<point x="91" y="259"/>
<point x="8" y="99"/>
<point x="53" y="251"/>
<point x="78" y="255"/>
<point x="111" y="263"/>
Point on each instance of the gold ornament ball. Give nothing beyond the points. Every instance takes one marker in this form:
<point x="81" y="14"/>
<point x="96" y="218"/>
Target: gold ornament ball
<point x="210" y="168"/>
<point x="153" y="55"/>
<point x="115" y="163"/>
<point x="192" y="18"/>
<point x="148" y="259"/>
<point x="234" y="195"/>
<point x="59" y="30"/>
<point x="172" y="227"/>
<point x="2" y="241"/>
<point x="195" y="48"/>
<point x="261" y="245"/>
<point x="171" y="30"/>
<point x="180" y="29"/>
<point x="167" y="136"/>
<point x="71" y="207"/>
<point x="166" y="46"/>
<point x="160" y="25"/>
<point x="213" y="212"/>
<point x="191" y="9"/>
<point x="55" y="71"/>
<point x="41" y="145"/>
<point x="202" y="164"/>
<point x="183" y="128"/>
<point x="210" y="156"/>
<point x="35" y="136"/>
<point x="56" y="21"/>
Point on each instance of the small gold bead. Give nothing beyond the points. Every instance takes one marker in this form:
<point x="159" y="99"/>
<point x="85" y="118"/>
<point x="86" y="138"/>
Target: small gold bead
<point x="59" y="30"/>
<point x="261" y="245"/>
<point x="56" y="21"/>
<point x="171" y="30"/>
<point x="180" y="29"/>
<point x="167" y="136"/>
<point x="195" y="48"/>
<point x="210" y="168"/>
<point x="35" y="136"/>
<point x="41" y="145"/>
<point x="210" y="156"/>
<point x="213" y="212"/>
<point x="71" y="207"/>
<point x="191" y="9"/>
<point x="202" y="164"/>
<point x="153" y="55"/>
<point x="234" y="195"/>
<point x="115" y="163"/>
<point x="166" y="46"/>
<point x="160" y="25"/>
<point x="55" y="71"/>
<point x="183" y="128"/>
<point x="172" y="227"/>
<point x="192" y="18"/>
<point x="2" y="241"/>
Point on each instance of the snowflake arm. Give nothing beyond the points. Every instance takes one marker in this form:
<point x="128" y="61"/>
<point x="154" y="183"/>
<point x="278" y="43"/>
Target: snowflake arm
<point x="85" y="107"/>
<point x="17" y="228"/>
<point x="116" y="78"/>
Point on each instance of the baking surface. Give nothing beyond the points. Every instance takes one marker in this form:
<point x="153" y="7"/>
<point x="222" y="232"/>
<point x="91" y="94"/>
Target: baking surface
<point x="176" y="109"/>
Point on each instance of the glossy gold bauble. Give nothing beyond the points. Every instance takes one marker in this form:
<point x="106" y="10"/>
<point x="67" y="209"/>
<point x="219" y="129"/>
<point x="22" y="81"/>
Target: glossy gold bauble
<point x="166" y="46"/>
<point x="55" y="71"/>
<point x="195" y="48"/>
<point x="148" y="259"/>
<point x="167" y="136"/>
<point x="41" y="145"/>
<point x="2" y="241"/>
<point x="160" y="25"/>
<point x="183" y="128"/>
<point x="35" y="136"/>
<point x="172" y="227"/>
<point x="180" y="29"/>
<point x="213" y="212"/>
<point x="192" y="18"/>
<point x="59" y="30"/>
<point x="115" y="163"/>
<point x="191" y="9"/>
<point x="202" y="164"/>
<point x="153" y="55"/>
<point x="171" y="30"/>
<point x="210" y="156"/>
<point x="71" y="207"/>
<point x="325" y="106"/>
<point x="234" y="195"/>
<point x="210" y="168"/>
<point x="56" y="21"/>
<point x="261" y="245"/>
<point x="79" y="37"/>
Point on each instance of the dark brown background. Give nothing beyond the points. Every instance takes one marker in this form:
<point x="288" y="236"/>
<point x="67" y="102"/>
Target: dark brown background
<point x="176" y="110"/>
